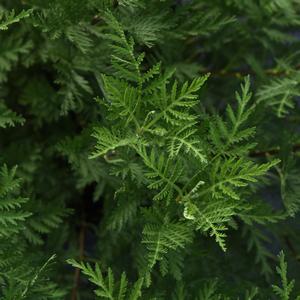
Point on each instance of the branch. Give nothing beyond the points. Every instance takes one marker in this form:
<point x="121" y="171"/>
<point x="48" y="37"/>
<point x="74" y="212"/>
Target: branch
<point x="274" y="151"/>
<point x="81" y="241"/>
<point x="242" y="73"/>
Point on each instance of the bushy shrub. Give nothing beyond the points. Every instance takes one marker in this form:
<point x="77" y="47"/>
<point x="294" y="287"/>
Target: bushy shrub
<point x="149" y="149"/>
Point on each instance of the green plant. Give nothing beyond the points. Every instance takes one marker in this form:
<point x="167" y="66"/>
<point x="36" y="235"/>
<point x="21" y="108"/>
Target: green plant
<point x="157" y="146"/>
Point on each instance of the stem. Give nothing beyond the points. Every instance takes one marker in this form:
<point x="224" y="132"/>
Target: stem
<point x="81" y="241"/>
<point x="295" y="148"/>
<point x="238" y="74"/>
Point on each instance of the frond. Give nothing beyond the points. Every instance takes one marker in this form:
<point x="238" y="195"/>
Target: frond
<point x="122" y="99"/>
<point x="257" y="241"/>
<point x="186" y="141"/>
<point x="228" y="135"/>
<point x="123" y="214"/>
<point x="285" y="290"/>
<point x="152" y="72"/>
<point x="126" y="65"/>
<point x="163" y="174"/>
<point x="8" y="117"/>
<point x="8" y="18"/>
<point x="212" y="217"/>
<point x="147" y="28"/>
<point x="251" y="294"/>
<point x="73" y="85"/>
<point x="107" y="141"/>
<point x="290" y="189"/>
<point x="174" y="107"/>
<point x="173" y="264"/>
<point x="12" y="214"/>
<point x="107" y="287"/>
<point x="79" y="36"/>
<point x="180" y="292"/>
<point x="130" y="169"/>
<point x="161" y="237"/>
<point x="260" y="213"/>
<point x="21" y="279"/>
<point x="198" y="21"/>
<point x="12" y="49"/>
<point x="209" y="291"/>
<point x="44" y="219"/>
<point x="230" y="175"/>
<point x="279" y="94"/>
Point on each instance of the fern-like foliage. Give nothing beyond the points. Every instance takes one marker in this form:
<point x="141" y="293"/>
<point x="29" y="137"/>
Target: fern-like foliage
<point x="32" y="284"/>
<point x="283" y="292"/>
<point x="19" y="279"/>
<point x="229" y="136"/>
<point x="212" y="218"/>
<point x="280" y="94"/>
<point x="213" y="215"/>
<point x="8" y="18"/>
<point x="124" y="214"/>
<point x="13" y="50"/>
<point x="168" y="168"/>
<point x="124" y="61"/>
<point x="257" y="241"/>
<point x="289" y="188"/>
<point x="163" y="235"/>
<point x="186" y="140"/>
<point x="260" y="213"/>
<point x="164" y="137"/>
<point x="8" y="117"/>
<point x="173" y="264"/>
<point x="107" y="287"/>
<point x="175" y="107"/>
<point x="43" y="223"/>
<point x="108" y="141"/>
<point x="12" y="213"/>
<point x="209" y="291"/>
<point x="227" y="175"/>
<point x="123" y="100"/>
<point x="163" y="174"/>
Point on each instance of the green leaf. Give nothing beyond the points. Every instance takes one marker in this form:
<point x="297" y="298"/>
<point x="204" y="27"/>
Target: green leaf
<point x="8" y="18"/>
<point x="108" y="141"/>
<point x="174" y="107"/>
<point x="106" y="287"/>
<point x="229" y="176"/>
<point x="286" y="289"/>
<point x="163" y="174"/>
<point x="279" y="94"/>
<point x="186" y="140"/>
<point x="211" y="217"/>
<point x="229" y="136"/>
<point x="12" y="214"/>
<point x="159" y="238"/>
<point x="8" y="117"/>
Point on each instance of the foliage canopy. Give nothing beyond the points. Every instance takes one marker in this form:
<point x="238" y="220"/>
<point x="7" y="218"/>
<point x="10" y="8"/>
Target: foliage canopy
<point x="150" y="146"/>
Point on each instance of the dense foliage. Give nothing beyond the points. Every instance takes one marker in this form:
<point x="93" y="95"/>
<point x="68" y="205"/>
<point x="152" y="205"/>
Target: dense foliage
<point x="149" y="149"/>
